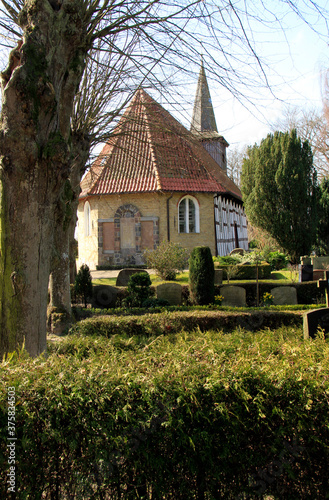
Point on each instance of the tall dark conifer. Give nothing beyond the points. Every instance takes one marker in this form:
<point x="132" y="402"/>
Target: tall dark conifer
<point x="279" y="189"/>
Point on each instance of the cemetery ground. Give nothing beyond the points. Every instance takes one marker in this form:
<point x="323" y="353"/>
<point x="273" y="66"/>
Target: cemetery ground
<point x="183" y="403"/>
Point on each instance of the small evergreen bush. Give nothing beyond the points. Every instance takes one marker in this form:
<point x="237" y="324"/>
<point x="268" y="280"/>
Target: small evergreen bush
<point x="139" y="289"/>
<point x="232" y="412"/>
<point x="83" y="284"/>
<point x="168" y="259"/>
<point x="201" y="276"/>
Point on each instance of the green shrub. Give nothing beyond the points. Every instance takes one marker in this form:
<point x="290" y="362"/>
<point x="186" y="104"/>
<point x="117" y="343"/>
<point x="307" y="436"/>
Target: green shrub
<point x="246" y="271"/>
<point x="173" y="322"/>
<point x="228" y="259"/>
<point x="253" y="244"/>
<point x="168" y="259"/>
<point x="155" y="303"/>
<point x="184" y="417"/>
<point x="201" y="276"/>
<point x="277" y="260"/>
<point x="139" y="289"/>
<point x="83" y="284"/>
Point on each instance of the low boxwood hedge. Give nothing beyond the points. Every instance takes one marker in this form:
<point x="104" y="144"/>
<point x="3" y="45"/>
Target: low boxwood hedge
<point x="246" y="271"/>
<point x="186" y="417"/>
<point x="173" y="322"/>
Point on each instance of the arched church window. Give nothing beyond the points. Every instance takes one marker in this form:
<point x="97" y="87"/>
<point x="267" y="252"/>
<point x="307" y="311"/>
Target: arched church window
<point x="87" y="218"/>
<point x="188" y="215"/>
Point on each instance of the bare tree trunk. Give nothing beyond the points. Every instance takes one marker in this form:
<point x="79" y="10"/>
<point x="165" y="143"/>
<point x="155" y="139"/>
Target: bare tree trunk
<point x="59" y="313"/>
<point x="38" y="88"/>
<point x="59" y="317"/>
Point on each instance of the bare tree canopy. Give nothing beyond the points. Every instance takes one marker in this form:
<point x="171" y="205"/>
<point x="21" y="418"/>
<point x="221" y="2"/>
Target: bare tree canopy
<point x="52" y="41"/>
<point x="311" y="126"/>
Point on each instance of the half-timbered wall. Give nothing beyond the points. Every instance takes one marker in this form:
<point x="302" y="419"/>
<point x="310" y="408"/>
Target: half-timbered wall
<point x="230" y="225"/>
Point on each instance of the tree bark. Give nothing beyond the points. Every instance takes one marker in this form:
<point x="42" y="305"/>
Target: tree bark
<point x="59" y="317"/>
<point x="38" y="91"/>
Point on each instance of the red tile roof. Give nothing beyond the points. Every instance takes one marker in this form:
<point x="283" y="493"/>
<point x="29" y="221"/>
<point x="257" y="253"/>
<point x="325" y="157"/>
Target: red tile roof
<point x="151" y="151"/>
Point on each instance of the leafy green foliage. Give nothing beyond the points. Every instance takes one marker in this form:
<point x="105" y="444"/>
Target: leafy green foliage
<point x="277" y="260"/>
<point x="83" y="284"/>
<point x="172" y="322"/>
<point x="167" y="259"/>
<point x="98" y="418"/>
<point x="228" y="259"/>
<point x="248" y="272"/>
<point x="279" y="188"/>
<point x="139" y="289"/>
<point x="202" y="275"/>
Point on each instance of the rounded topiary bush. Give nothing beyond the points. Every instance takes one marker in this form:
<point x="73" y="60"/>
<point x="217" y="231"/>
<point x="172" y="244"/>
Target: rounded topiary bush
<point x="201" y="276"/>
<point x="139" y="289"/>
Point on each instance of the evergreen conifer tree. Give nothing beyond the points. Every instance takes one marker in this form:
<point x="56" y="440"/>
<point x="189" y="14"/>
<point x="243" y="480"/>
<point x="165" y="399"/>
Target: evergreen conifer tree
<point x="201" y="276"/>
<point x="83" y="283"/>
<point x="279" y="189"/>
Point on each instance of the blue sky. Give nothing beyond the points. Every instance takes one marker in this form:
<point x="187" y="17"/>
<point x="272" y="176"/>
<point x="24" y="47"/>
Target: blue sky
<point x="296" y="59"/>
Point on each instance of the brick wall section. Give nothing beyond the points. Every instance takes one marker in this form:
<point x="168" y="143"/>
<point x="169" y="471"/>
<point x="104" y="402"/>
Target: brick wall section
<point x="190" y="240"/>
<point x="105" y="210"/>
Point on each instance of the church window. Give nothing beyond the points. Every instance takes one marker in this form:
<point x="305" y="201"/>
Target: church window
<point x="87" y="217"/>
<point x="188" y="215"/>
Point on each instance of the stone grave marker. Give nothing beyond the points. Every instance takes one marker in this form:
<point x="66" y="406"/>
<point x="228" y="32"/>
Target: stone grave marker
<point x="312" y="320"/>
<point x="318" y="274"/>
<point x="305" y="272"/>
<point x="234" y="296"/>
<point x="237" y="251"/>
<point x="320" y="262"/>
<point x="218" y="276"/>
<point x="171" y="292"/>
<point x="124" y="275"/>
<point x="284" y="295"/>
<point x="104" y="296"/>
<point x="323" y="284"/>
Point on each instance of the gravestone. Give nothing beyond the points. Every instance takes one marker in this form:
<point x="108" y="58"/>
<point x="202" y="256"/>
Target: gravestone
<point x="320" y="262"/>
<point x="323" y="284"/>
<point x="237" y="251"/>
<point x="305" y="273"/>
<point x="312" y="320"/>
<point x="124" y="275"/>
<point x="318" y="317"/>
<point x="172" y="292"/>
<point x="218" y="276"/>
<point x="284" y="295"/>
<point x="306" y="261"/>
<point x="104" y="296"/>
<point x="234" y="296"/>
<point x="318" y="274"/>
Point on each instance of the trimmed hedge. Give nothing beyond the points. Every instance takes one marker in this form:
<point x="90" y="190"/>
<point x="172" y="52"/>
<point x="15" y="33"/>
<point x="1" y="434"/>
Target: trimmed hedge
<point x="247" y="271"/>
<point x="174" y="322"/>
<point x="110" y="267"/>
<point x="190" y="417"/>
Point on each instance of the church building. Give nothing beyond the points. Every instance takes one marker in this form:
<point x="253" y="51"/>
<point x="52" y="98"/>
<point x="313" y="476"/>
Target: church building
<point x="156" y="181"/>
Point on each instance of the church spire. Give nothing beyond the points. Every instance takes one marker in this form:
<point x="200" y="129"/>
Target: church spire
<point x="203" y="119"/>
<point x="203" y="125"/>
